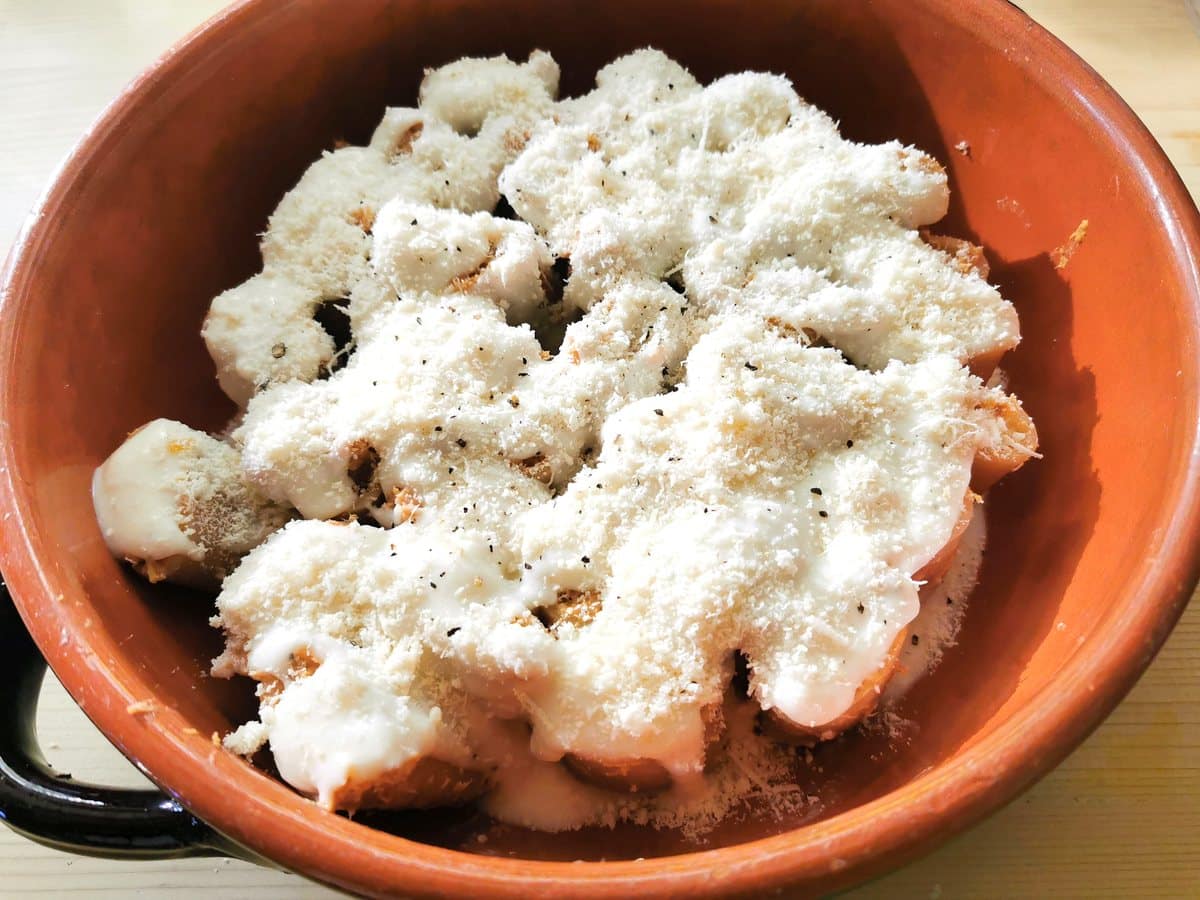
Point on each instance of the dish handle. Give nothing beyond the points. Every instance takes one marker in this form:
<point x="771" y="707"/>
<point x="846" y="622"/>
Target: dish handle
<point x="55" y="810"/>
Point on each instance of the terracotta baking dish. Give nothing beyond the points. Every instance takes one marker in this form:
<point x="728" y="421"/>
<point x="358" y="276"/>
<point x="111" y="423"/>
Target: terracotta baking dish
<point x="1093" y="549"/>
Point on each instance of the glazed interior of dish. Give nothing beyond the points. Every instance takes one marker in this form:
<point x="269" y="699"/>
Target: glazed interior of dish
<point x="1061" y="567"/>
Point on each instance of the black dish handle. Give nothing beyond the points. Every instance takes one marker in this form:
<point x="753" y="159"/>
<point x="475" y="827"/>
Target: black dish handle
<point x="53" y="809"/>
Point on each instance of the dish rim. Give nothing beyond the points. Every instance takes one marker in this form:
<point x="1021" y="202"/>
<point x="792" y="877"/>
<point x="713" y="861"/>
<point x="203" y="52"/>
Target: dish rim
<point x="889" y="829"/>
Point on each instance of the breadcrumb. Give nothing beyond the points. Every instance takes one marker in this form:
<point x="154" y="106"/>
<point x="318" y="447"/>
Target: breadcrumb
<point x="1062" y="254"/>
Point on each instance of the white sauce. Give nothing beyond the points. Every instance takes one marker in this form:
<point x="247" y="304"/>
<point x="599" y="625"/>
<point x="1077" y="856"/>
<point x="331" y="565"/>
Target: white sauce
<point x="176" y="499"/>
<point x="943" y="605"/>
<point x="136" y="493"/>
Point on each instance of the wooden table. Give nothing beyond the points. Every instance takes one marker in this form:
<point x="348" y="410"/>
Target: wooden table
<point x="1121" y="817"/>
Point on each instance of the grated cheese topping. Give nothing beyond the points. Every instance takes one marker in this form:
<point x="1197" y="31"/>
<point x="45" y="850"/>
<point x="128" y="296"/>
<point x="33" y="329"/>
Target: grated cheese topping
<point x="708" y="393"/>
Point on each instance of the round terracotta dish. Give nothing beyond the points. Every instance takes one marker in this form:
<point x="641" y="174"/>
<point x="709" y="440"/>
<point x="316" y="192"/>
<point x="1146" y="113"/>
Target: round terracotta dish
<point x="1093" y="549"/>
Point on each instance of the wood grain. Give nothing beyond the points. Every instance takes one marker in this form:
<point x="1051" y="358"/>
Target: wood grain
<point x="1120" y="818"/>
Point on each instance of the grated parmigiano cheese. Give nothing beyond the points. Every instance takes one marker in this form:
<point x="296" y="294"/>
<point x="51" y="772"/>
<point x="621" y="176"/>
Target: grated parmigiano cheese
<point x="708" y="394"/>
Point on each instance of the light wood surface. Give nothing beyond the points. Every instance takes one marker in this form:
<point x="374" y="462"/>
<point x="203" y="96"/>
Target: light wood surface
<point x="1120" y="818"/>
